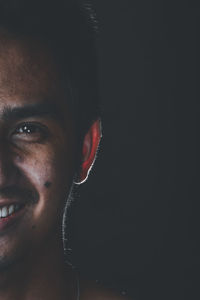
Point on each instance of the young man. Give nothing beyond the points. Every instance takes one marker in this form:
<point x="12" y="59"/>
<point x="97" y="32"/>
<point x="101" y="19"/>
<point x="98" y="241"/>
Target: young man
<point x="49" y="135"/>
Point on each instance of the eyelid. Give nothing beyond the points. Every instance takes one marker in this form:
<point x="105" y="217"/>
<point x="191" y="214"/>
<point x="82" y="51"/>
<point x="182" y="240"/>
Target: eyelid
<point x="30" y="123"/>
<point x="44" y="132"/>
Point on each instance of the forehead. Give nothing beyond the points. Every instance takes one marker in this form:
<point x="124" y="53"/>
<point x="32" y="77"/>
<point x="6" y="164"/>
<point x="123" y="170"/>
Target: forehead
<point x="28" y="72"/>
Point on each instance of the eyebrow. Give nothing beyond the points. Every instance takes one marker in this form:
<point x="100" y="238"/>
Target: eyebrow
<point x="48" y="109"/>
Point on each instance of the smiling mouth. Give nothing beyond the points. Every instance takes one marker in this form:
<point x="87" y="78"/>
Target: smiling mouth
<point x="9" y="210"/>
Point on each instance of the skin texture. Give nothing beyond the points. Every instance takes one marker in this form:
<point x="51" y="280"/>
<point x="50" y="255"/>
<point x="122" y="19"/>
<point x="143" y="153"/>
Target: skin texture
<point x="37" y="163"/>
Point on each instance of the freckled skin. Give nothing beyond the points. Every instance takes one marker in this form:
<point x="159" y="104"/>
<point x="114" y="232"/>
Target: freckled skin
<point x="28" y="76"/>
<point x="48" y="184"/>
<point x="42" y="162"/>
<point x="31" y="163"/>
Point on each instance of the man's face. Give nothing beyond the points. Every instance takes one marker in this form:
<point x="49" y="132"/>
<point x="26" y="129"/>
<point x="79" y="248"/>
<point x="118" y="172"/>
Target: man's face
<point x="36" y="148"/>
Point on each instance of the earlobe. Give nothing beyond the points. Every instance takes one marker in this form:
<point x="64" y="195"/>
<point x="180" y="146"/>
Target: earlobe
<point x="90" y="146"/>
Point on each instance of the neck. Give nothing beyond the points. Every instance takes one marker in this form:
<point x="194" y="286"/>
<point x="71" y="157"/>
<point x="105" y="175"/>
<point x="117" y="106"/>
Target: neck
<point x="42" y="275"/>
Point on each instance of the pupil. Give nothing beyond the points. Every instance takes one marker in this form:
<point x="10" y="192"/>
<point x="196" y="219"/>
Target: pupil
<point x="28" y="129"/>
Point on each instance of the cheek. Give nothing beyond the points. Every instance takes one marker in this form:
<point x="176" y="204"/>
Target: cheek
<point x="49" y="172"/>
<point x="48" y="184"/>
<point x="44" y="164"/>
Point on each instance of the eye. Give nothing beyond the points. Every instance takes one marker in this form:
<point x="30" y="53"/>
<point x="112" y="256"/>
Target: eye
<point x="33" y="132"/>
<point x="27" y="129"/>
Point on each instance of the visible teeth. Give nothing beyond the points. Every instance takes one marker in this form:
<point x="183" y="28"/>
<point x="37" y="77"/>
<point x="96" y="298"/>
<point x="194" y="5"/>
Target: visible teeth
<point x="4" y="212"/>
<point x="11" y="209"/>
<point x="8" y="210"/>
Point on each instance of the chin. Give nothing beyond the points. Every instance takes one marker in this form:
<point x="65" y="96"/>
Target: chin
<point x="12" y="251"/>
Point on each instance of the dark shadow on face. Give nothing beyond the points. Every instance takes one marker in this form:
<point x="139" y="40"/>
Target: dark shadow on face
<point x="37" y="146"/>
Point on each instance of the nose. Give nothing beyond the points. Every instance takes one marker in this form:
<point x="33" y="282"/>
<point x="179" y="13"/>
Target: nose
<point x="8" y="170"/>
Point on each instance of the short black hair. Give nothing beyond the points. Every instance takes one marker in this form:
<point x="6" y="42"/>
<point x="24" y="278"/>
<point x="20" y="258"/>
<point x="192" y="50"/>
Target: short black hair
<point x="69" y="28"/>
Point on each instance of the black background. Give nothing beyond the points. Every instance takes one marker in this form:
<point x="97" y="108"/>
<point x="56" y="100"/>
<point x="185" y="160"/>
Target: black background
<point x="135" y="223"/>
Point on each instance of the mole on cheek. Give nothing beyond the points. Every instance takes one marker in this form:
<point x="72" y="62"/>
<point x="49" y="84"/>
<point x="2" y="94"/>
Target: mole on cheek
<point x="47" y="184"/>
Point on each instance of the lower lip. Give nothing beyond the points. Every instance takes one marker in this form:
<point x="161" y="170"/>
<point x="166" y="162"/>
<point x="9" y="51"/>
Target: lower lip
<point x="12" y="219"/>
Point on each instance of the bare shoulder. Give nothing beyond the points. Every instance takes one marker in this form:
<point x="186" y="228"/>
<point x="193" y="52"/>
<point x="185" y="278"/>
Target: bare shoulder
<point x="92" y="291"/>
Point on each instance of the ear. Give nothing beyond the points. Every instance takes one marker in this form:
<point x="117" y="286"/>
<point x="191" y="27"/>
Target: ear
<point x="89" y="149"/>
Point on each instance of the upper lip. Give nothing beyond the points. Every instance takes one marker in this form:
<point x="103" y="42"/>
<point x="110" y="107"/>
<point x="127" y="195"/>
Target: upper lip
<point x="7" y="202"/>
<point x="17" y="195"/>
